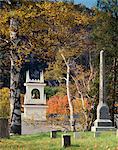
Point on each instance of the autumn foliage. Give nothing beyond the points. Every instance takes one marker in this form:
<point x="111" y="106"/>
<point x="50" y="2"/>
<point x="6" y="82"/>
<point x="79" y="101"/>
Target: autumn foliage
<point x="4" y="102"/>
<point x="59" y="105"/>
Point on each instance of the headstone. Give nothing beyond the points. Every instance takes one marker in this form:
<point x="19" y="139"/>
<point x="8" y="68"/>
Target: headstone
<point x="4" y="128"/>
<point x="66" y="140"/>
<point x="97" y="134"/>
<point x="76" y="135"/>
<point x="53" y="134"/>
<point x="103" y="122"/>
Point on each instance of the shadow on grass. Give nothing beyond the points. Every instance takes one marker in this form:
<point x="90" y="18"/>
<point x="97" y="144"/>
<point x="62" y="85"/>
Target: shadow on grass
<point x="72" y="146"/>
<point x="75" y="145"/>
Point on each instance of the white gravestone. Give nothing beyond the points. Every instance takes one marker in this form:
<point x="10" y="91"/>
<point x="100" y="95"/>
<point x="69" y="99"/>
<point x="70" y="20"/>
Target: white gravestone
<point x="76" y="135"/>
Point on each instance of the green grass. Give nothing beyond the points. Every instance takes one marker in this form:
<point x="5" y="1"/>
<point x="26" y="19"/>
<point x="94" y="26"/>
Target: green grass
<point x="42" y="141"/>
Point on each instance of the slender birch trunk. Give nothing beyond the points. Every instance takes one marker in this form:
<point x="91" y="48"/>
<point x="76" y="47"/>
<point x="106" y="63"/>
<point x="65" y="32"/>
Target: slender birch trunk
<point x="72" y="124"/>
<point x="14" y="85"/>
<point x="72" y="121"/>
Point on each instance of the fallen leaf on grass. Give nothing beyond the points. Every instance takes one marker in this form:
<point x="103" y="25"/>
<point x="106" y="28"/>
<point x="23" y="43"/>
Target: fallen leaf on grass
<point x="95" y="146"/>
<point x="107" y="147"/>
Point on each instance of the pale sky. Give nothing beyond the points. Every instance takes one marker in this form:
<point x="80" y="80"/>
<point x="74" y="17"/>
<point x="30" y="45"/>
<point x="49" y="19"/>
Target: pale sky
<point x="88" y="3"/>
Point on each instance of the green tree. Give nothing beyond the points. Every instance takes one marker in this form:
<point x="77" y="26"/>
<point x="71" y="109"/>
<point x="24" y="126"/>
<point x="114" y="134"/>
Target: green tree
<point x="50" y="91"/>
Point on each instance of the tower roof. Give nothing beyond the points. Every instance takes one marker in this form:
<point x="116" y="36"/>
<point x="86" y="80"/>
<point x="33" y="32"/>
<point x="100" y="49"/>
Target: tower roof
<point x="39" y="80"/>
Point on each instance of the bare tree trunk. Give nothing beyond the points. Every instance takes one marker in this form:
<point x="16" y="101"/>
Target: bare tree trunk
<point x="72" y="121"/>
<point x="15" y="101"/>
<point x="14" y="84"/>
<point x="72" y="124"/>
<point x="83" y="87"/>
<point x="83" y="106"/>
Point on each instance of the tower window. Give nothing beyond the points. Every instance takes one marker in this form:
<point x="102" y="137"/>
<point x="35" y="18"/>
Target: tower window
<point x="35" y="94"/>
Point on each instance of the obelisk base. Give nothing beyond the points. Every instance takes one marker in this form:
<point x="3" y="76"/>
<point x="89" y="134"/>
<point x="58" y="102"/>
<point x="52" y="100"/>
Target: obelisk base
<point x="102" y="125"/>
<point x="103" y="122"/>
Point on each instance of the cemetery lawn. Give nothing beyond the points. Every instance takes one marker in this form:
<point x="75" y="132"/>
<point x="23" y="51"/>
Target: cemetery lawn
<point x="42" y="141"/>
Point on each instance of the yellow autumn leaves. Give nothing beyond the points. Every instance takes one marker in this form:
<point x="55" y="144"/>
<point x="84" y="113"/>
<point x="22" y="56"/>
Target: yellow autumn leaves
<point x="4" y="103"/>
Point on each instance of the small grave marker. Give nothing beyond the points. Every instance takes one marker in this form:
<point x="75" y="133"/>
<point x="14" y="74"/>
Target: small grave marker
<point x="66" y="140"/>
<point x="76" y="135"/>
<point x="4" y="128"/>
<point x="53" y="134"/>
<point x="96" y="134"/>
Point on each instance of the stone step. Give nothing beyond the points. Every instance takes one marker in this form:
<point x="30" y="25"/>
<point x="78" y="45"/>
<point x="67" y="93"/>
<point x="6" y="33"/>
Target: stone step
<point x="94" y="129"/>
<point x="103" y="124"/>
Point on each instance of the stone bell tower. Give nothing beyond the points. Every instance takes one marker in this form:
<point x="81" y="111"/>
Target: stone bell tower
<point x="35" y="99"/>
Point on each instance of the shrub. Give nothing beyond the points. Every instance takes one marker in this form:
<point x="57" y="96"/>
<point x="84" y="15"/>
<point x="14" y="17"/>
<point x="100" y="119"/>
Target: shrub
<point x="50" y="91"/>
<point x="4" y="103"/>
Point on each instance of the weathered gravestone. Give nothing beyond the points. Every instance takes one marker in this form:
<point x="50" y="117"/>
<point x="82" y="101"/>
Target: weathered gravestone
<point x="53" y="134"/>
<point x="4" y="128"/>
<point x="76" y="135"/>
<point x="103" y="122"/>
<point x="66" y="140"/>
<point x="97" y="134"/>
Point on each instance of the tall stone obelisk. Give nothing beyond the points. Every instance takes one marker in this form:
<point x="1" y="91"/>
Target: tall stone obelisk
<point x="103" y="122"/>
<point x="102" y="79"/>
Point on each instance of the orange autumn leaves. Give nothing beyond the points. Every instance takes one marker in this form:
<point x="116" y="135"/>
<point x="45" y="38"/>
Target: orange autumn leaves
<point x="59" y="105"/>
